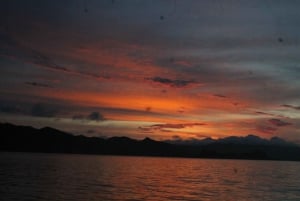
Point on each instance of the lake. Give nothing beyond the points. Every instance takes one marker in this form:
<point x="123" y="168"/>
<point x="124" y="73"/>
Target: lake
<point x="33" y="176"/>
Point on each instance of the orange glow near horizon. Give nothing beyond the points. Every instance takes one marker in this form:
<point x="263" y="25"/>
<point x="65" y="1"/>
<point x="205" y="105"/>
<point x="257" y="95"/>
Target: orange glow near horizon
<point x="167" y="110"/>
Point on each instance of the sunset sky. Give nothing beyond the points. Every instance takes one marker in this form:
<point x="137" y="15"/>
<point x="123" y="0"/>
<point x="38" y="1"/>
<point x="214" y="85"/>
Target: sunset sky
<point x="165" y="69"/>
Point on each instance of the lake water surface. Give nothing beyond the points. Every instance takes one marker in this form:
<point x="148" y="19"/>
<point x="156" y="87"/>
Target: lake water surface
<point x="29" y="176"/>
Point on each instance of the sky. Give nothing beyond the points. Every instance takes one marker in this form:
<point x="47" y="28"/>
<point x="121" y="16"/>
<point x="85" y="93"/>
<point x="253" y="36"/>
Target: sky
<point x="165" y="69"/>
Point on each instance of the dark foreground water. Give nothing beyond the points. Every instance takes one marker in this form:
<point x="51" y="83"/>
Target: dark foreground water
<point x="27" y="176"/>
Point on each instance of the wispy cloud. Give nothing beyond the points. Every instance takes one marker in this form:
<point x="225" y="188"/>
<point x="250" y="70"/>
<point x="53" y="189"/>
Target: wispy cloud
<point x="172" y="83"/>
<point x="220" y="96"/>
<point x="291" y="106"/>
<point x="263" y="113"/>
<point x="36" y="84"/>
<point x="164" y="127"/>
<point x="269" y="114"/>
<point x="279" y="123"/>
<point x="14" y="49"/>
<point x="44" y="61"/>
<point x="145" y="129"/>
<point x="266" y="129"/>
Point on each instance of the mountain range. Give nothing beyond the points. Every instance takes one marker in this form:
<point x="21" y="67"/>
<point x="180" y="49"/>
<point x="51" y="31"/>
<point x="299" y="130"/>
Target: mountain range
<point x="50" y="140"/>
<point x="248" y="140"/>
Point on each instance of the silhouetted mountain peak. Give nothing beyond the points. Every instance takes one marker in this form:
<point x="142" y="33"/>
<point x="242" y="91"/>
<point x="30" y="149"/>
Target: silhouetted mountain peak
<point x="147" y="139"/>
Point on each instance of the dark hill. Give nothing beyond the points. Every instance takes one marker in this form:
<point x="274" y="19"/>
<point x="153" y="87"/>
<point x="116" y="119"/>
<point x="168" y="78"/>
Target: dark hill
<point x="50" y="140"/>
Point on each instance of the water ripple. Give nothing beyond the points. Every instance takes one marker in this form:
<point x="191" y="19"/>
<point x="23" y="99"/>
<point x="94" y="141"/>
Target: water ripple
<point x="78" y="177"/>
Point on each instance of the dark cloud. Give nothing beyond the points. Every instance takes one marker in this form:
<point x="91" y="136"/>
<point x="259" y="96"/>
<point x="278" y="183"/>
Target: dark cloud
<point x="45" y="61"/>
<point x="125" y="112"/>
<point x="176" y="126"/>
<point x="291" y="106"/>
<point x="202" y="69"/>
<point x="37" y="109"/>
<point x="279" y="123"/>
<point x="14" y="49"/>
<point x="264" y="113"/>
<point x="171" y="83"/>
<point x="269" y="114"/>
<point x="10" y="109"/>
<point x="36" y="84"/>
<point x="95" y="116"/>
<point x="145" y="129"/>
<point x="44" y="110"/>
<point x="220" y="96"/>
<point x="165" y="127"/>
<point x="266" y="129"/>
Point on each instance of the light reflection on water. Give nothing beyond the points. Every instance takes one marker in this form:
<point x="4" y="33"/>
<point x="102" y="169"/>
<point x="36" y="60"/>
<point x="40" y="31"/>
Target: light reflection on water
<point x="27" y="176"/>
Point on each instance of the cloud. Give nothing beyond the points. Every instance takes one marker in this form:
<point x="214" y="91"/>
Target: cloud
<point x="10" y="109"/>
<point x="291" y="106"/>
<point x="269" y="114"/>
<point x="36" y="84"/>
<point x="176" y="126"/>
<point x="183" y="63"/>
<point x="25" y="106"/>
<point x="14" y="49"/>
<point x="279" y="123"/>
<point x="265" y="113"/>
<point x="262" y="113"/>
<point x="172" y="83"/>
<point x="145" y="129"/>
<point x="165" y="127"/>
<point x="44" y="61"/>
<point x="44" y="110"/>
<point x="220" y="96"/>
<point x="95" y="116"/>
<point x="266" y="129"/>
